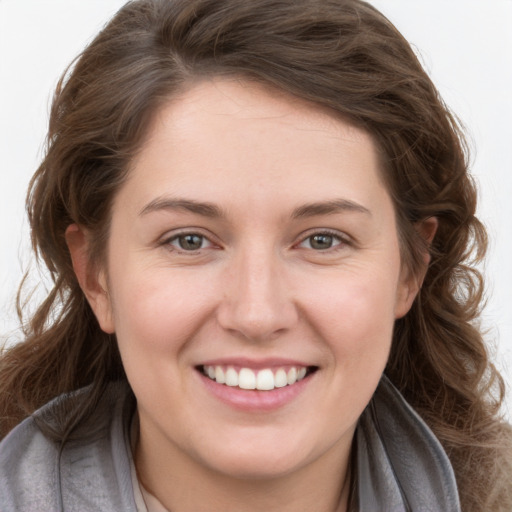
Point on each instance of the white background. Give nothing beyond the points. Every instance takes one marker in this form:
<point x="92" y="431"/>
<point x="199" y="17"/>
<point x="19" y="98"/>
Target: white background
<point x="466" y="46"/>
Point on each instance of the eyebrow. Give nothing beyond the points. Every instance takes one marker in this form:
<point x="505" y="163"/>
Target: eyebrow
<point x="211" y="210"/>
<point x="201" y="208"/>
<point x="329" y="208"/>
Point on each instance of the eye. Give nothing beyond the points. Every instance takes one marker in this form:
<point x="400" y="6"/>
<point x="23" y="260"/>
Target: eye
<point x="189" y="242"/>
<point x="321" y="241"/>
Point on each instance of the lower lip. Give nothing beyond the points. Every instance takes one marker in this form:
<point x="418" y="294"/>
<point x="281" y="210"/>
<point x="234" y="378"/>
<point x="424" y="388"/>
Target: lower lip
<point x="253" y="400"/>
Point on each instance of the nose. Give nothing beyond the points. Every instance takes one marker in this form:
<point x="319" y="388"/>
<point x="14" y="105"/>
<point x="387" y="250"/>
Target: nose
<point x="257" y="304"/>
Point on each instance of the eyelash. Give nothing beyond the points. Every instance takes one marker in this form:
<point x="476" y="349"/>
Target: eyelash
<point x="339" y="241"/>
<point x="169" y="242"/>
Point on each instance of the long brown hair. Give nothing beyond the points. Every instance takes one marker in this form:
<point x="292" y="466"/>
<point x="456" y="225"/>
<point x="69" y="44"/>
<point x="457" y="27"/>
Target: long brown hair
<point x="340" y="54"/>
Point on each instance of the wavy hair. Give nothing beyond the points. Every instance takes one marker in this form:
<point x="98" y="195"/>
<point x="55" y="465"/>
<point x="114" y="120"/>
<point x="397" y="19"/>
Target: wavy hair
<point x="339" y="54"/>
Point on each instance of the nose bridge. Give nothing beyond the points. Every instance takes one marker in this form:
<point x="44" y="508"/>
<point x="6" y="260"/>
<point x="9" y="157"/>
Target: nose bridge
<point x="257" y="301"/>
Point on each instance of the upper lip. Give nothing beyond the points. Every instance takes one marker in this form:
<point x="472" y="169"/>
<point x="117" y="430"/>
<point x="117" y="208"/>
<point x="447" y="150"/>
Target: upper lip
<point x="255" y="364"/>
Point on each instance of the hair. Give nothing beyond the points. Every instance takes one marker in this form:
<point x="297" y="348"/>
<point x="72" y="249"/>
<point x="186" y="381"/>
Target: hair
<point x="339" y="54"/>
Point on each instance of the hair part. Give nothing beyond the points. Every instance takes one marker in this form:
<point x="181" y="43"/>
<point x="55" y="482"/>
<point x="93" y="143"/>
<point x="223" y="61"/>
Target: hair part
<point x="342" y="55"/>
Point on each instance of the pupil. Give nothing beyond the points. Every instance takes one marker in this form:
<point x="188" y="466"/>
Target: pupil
<point x="190" y="242"/>
<point x="321" y="242"/>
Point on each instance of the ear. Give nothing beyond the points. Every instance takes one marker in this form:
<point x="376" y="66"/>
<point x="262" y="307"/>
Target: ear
<point x="411" y="282"/>
<point x="92" y="282"/>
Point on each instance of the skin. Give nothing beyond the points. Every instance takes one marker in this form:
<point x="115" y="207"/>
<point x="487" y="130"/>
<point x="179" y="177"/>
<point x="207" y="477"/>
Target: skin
<point x="256" y="289"/>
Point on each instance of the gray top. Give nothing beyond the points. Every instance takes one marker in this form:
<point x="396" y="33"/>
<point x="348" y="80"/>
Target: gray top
<point x="401" y="466"/>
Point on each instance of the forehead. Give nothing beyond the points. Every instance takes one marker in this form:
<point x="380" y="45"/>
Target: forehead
<point x="216" y="100"/>
<point x="241" y="139"/>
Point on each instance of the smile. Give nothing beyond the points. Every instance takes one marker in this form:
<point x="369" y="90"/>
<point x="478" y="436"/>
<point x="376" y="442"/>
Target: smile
<point x="265" y="379"/>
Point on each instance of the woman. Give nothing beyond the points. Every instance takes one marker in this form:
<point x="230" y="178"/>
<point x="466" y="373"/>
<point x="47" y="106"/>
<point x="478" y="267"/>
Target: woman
<point x="261" y="229"/>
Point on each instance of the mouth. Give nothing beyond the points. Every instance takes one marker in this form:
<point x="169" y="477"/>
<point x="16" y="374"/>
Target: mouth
<point x="263" y="379"/>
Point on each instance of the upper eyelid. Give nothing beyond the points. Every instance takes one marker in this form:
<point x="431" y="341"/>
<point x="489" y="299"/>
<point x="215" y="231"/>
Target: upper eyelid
<point x="324" y="231"/>
<point x="176" y="233"/>
<point x="168" y="242"/>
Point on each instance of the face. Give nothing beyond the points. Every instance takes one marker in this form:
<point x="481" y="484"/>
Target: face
<point x="253" y="242"/>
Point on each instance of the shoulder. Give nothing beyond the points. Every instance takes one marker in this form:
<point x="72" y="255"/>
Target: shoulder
<point x="28" y="461"/>
<point x="89" y="471"/>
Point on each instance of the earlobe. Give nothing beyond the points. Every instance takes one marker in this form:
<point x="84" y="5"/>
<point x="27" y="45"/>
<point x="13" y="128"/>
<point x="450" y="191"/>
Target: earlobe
<point x="407" y="290"/>
<point x="411" y="282"/>
<point x="92" y="282"/>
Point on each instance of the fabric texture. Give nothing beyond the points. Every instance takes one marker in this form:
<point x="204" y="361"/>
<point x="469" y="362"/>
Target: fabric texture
<point x="401" y="466"/>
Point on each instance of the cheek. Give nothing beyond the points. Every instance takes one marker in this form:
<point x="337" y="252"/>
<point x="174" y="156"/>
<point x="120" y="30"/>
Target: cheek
<point x="355" y="313"/>
<point x="155" y="311"/>
<point x="155" y="322"/>
<point x="354" y="318"/>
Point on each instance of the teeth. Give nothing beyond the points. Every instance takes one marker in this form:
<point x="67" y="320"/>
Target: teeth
<point x="292" y="375"/>
<point x="219" y="375"/>
<point x="263" y="380"/>
<point x="231" y="377"/>
<point x="280" y="379"/>
<point x="247" y="379"/>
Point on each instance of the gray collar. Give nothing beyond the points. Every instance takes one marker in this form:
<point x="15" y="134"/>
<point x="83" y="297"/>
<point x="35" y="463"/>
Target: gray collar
<point x="401" y="466"/>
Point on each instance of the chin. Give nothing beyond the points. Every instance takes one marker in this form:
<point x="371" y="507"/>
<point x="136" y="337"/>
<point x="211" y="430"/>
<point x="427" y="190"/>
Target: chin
<point x="257" y="461"/>
<point x="257" y="467"/>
